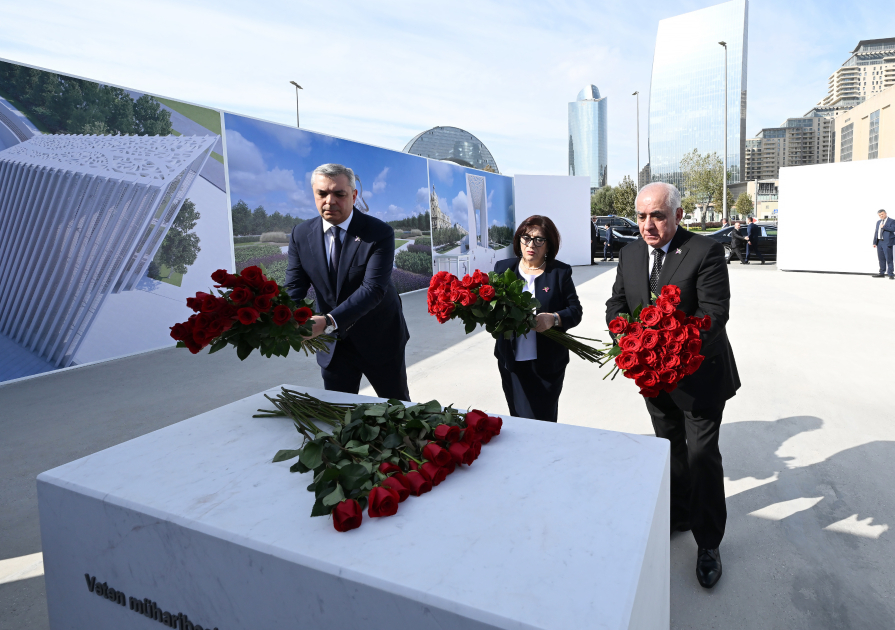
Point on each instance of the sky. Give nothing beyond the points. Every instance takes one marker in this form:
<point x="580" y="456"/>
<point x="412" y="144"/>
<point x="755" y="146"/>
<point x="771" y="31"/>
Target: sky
<point x="271" y="165"/>
<point x="381" y="72"/>
<point x="450" y="186"/>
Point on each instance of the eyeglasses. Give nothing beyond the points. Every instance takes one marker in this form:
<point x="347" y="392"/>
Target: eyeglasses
<point x="539" y="240"/>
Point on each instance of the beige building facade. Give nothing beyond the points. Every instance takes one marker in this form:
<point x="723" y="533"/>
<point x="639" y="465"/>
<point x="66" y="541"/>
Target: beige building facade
<point x="869" y="71"/>
<point x="867" y="132"/>
<point x="797" y="142"/>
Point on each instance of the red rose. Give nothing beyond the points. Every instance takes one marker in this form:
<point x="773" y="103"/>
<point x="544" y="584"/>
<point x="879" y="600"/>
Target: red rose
<point x="694" y="346"/>
<point x="400" y="477"/>
<point x="383" y="501"/>
<point x="247" y="315"/>
<point x="476" y="450"/>
<point x="180" y="332"/>
<point x="449" y="467"/>
<point x="649" y="339"/>
<point x="440" y="278"/>
<point x="634" y="328"/>
<point x="417" y="484"/>
<point x="397" y="486"/>
<point x="618" y="325"/>
<point x="648" y="379"/>
<point x="253" y="275"/>
<point x="263" y="303"/>
<point x="635" y="371"/>
<point x="347" y="515"/>
<point x="665" y="305"/>
<point x="669" y="323"/>
<point x="467" y="298"/>
<point x="706" y="322"/>
<point x="443" y="312"/>
<point x="476" y="420"/>
<point x="387" y="468"/>
<point x="672" y="293"/>
<point x="649" y="357"/>
<point x="220" y="276"/>
<point x="447" y="433"/>
<point x="649" y="392"/>
<point x="232" y="281"/>
<point x="479" y="277"/>
<point x="461" y="453"/>
<point x="493" y="424"/>
<point x="630" y="343"/>
<point x="667" y="376"/>
<point x="302" y="314"/>
<point x="694" y="363"/>
<point x="240" y="295"/>
<point x="679" y="335"/>
<point x="675" y="347"/>
<point x="270" y="287"/>
<point x="436" y="454"/>
<point x="468" y="282"/>
<point x="626" y="360"/>
<point x="650" y="316"/>
<point x="487" y="292"/>
<point x="433" y="472"/>
<point x="195" y="303"/>
<point x="281" y="314"/>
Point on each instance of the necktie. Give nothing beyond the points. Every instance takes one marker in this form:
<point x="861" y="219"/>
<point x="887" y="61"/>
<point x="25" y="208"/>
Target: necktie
<point x="657" y="269"/>
<point x="336" y="252"/>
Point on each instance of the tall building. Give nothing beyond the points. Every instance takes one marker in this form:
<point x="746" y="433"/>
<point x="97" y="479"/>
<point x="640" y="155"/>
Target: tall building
<point x="452" y="145"/>
<point x="867" y="132"/>
<point x="868" y="71"/>
<point x="587" y="137"/>
<point x="440" y="220"/>
<point x="798" y="141"/>
<point x="686" y="106"/>
<point x="83" y="218"/>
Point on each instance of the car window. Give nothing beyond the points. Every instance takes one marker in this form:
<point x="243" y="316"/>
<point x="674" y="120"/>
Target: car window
<point x="770" y="231"/>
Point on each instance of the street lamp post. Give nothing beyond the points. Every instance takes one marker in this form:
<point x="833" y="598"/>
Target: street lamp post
<point x="637" y="94"/>
<point x="297" y="88"/>
<point x="724" y="193"/>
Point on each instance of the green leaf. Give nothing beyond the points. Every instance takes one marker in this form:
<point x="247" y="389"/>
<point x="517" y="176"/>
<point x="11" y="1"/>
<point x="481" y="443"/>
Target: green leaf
<point x="180" y="344"/>
<point x="470" y="326"/>
<point x="376" y="410"/>
<point x="335" y="497"/>
<point x="363" y="451"/>
<point x="477" y="312"/>
<point x="218" y="345"/>
<point x="298" y="467"/>
<point x="244" y="349"/>
<point x="392" y="440"/>
<point x="282" y="456"/>
<point x="320" y="509"/>
<point x="368" y="433"/>
<point x="353" y="476"/>
<point x="311" y="455"/>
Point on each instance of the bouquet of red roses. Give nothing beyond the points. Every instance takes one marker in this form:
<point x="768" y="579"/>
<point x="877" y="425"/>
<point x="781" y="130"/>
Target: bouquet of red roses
<point x="249" y="312"/>
<point x="500" y="303"/>
<point x="375" y="455"/>
<point x="658" y="345"/>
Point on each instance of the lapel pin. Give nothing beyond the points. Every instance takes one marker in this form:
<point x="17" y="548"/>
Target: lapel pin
<point x="677" y="251"/>
<point x="546" y="289"/>
<point x="357" y="240"/>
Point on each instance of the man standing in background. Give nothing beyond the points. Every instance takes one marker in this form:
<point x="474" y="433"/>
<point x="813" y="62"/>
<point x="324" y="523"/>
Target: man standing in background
<point x="883" y="240"/>
<point x="607" y="243"/>
<point x="753" y="232"/>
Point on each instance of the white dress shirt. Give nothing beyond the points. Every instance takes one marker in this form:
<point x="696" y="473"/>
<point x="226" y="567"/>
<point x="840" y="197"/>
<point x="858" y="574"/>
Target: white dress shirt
<point x="328" y="241"/>
<point x="527" y="344"/>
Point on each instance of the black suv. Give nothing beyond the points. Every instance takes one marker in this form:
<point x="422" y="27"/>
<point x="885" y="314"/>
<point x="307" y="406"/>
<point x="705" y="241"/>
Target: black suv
<point x="623" y="226"/>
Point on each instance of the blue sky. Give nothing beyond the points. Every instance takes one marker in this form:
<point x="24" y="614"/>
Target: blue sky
<point x="382" y="72"/>
<point x="271" y="165"/>
<point x="450" y="186"/>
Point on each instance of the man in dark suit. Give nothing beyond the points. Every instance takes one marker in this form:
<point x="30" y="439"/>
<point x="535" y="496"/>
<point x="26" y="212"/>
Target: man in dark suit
<point x="348" y="257"/>
<point x="883" y="240"/>
<point x="738" y="243"/>
<point x="753" y="232"/>
<point x="608" y="239"/>
<point x="690" y="416"/>
<point x="594" y="240"/>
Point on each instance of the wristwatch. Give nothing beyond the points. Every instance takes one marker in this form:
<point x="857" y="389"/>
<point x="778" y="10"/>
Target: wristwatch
<point x="555" y="319"/>
<point x="330" y="326"/>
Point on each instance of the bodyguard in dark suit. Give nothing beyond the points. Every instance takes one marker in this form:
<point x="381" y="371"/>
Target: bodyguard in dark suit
<point x="753" y="233"/>
<point x="532" y="368"/>
<point x="690" y="416"/>
<point x="738" y="243"/>
<point x="608" y="240"/>
<point x="883" y="241"/>
<point x="594" y="241"/>
<point x="348" y="258"/>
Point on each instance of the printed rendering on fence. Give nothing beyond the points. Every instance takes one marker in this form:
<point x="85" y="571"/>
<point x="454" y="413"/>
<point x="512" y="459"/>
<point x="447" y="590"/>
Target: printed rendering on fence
<point x="270" y="168"/>
<point x="112" y="211"/>
<point x="473" y="218"/>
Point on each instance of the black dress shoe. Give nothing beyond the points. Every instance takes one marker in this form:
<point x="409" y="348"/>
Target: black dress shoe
<point x="708" y="567"/>
<point x="878" y="275"/>
<point x="680" y="526"/>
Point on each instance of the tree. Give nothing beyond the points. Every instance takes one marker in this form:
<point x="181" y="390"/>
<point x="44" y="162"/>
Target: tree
<point x="259" y="220"/>
<point x="181" y="246"/>
<point x="242" y="218"/>
<point x="688" y="203"/>
<point x="602" y="202"/>
<point x="702" y="177"/>
<point x="150" y="119"/>
<point x="744" y="205"/>
<point x="624" y="196"/>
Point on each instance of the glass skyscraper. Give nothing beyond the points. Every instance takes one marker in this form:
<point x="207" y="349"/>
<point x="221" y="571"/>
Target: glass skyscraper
<point x="453" y="145"/>
<point x="686" y="107"/>
<point x="587" y="137"/>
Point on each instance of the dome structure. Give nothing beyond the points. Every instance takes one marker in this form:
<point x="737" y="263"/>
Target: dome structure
<point x="589" y="93"/>
<point x="453" y="145"/>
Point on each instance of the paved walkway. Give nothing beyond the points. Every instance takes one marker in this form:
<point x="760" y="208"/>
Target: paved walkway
<point x="808" y="444"/>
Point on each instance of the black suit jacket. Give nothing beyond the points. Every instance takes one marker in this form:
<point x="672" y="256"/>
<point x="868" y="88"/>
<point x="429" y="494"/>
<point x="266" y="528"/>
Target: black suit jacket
<point x="888" y="233"/>
<point x="700" y="271"/>
<point x="364" y="302"/>
<point x="753" y="231"/>
<point x="737" y="240"/>
<point x="555" y="291"/>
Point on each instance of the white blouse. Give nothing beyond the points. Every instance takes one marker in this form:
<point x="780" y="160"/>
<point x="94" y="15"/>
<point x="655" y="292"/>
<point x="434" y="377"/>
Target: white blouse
<point x="527" y="345"/>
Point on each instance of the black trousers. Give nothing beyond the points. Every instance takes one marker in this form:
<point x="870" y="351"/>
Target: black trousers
<point x="531" y="391"/>
<point x="738" y="253"/>
<point x="607" y="251"/>
<point x="387" y="375"/>
<point x="885" y="258"/>
<point x="752" y="248"/>
<point x="697" y="477"/>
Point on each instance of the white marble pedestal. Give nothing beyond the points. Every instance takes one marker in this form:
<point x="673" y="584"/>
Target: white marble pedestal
<point x="555" y="526"/>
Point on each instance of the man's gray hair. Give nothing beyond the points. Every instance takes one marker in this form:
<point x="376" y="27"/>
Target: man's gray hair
<point x="672" y="195"/>
<point x="334" y="170"/>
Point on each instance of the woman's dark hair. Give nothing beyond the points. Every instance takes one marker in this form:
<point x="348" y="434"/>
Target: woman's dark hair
<point x="550" y="233"/>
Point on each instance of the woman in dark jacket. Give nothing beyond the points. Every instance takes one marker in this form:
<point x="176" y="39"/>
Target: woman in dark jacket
<point x="532" y="367"/>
